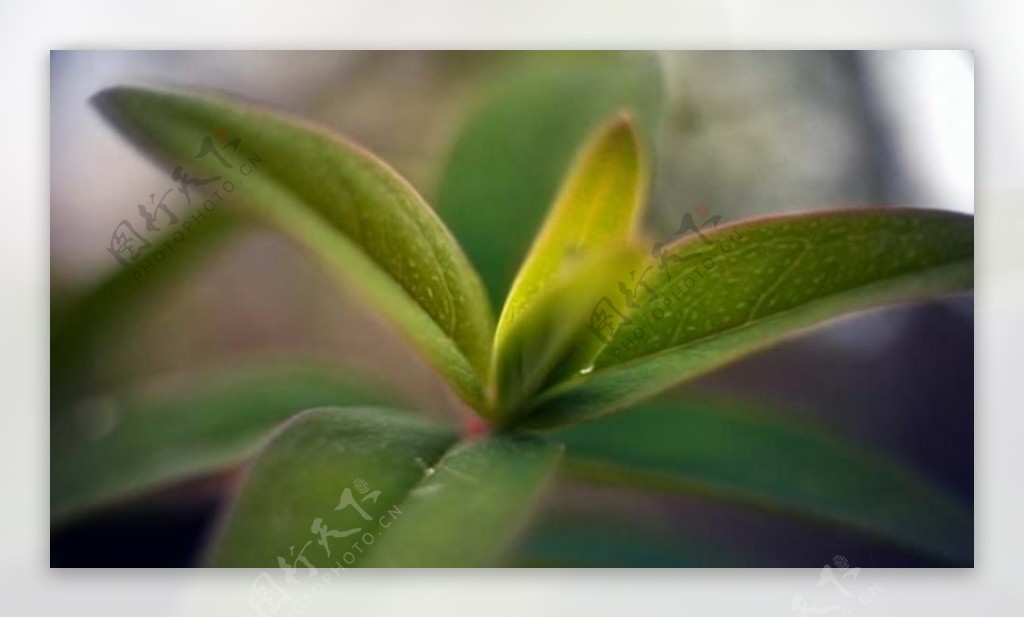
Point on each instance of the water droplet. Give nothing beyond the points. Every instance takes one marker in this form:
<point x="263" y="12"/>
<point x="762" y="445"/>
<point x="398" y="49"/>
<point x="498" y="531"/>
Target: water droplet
<point x="586" y="370"/>
<point x="427" y="489"/>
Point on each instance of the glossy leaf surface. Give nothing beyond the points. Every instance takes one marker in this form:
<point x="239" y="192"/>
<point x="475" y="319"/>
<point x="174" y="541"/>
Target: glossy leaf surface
<point x="736" y="289"/>
<point x="338" y="200"/>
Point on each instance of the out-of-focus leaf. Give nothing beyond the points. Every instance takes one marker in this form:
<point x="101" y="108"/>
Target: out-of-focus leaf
<point x="551" y="338"/>
<point x="113" y="448"/>
<point x="513" y="151"/>
<point x="582" y="542"/>
<point x="742" y="287"/>
<point x="371" y="487"/>
<point x="86" y="325"/>
<point x="348" y="207"/>
<point x="731" y="454"/>
<point x="583" y="534"/>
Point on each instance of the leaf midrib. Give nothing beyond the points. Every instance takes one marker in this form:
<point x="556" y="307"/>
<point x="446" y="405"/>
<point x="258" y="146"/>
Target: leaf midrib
<point x="325" y="220"/>
<point x="456" y="445"/>
<point x="433" y="465"/>
<point x="317" y="218"/>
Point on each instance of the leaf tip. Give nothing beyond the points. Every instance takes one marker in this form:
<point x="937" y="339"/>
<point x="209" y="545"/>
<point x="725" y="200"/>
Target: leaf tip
<point x="107" y="99"/>
<point x="111" y="103"/>
<point x="624" y="117"/>
<point x="621" y="132"/>
<point x="622" y="124"/>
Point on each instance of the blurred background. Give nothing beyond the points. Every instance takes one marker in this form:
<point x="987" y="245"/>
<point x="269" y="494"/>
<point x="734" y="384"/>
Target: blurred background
<point x="742" y="133"/>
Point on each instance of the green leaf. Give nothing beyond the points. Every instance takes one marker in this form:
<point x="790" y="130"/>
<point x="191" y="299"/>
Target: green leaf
<point x="348" y="207"/>
<point x="732" y="454"/>
<point x="390" y="490"/>
<point x="593" y="540"/>
<point x="514" y="150"/>
<point x="756" y="282"/>
<point x="468" y="512"/>
<point x="615" y="527"/>
<point x="114" y="447"/>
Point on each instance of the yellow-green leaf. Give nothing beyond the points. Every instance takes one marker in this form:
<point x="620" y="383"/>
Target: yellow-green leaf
<point x="599" y="204"/>
<point x="518" y="141"/>
<point x="551" y="339"/>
